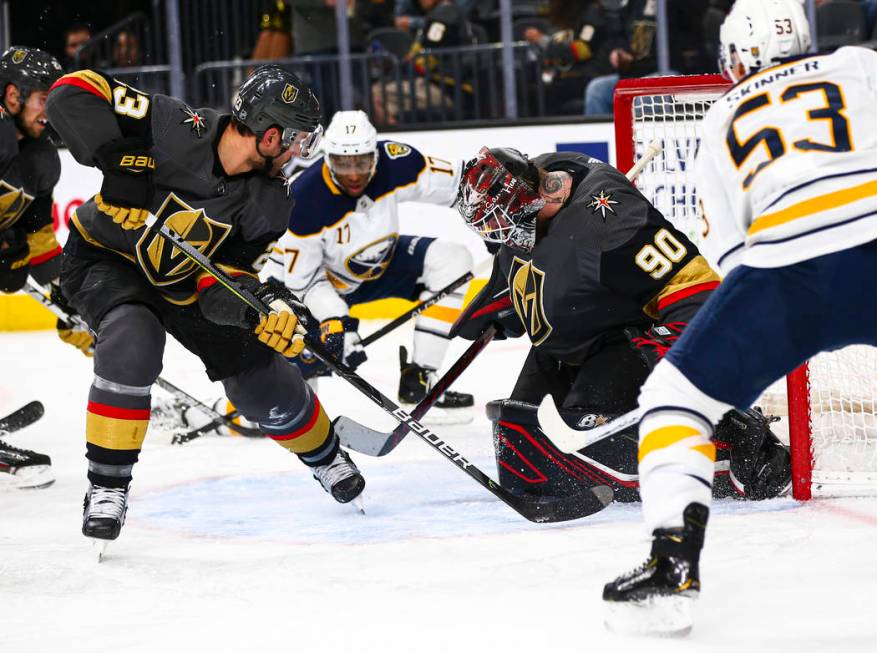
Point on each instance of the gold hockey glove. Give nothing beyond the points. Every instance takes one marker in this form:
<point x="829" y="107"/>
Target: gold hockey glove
<point x="79" y="338"/>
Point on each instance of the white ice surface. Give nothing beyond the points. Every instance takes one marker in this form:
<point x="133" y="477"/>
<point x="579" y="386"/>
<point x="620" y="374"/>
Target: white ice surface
<point x="231" y="546"/>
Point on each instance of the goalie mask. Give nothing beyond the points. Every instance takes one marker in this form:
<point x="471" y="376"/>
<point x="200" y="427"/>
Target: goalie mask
<point x="499" y="198"/>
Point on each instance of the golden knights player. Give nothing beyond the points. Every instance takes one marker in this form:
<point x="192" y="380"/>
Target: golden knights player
<point x="603" y="285"/>
<point x="29" y="170"/>
<point x="215" y="179"/>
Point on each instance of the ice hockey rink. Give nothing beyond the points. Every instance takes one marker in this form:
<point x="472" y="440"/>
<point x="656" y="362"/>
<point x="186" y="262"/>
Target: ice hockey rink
<point x="230" y="545"/>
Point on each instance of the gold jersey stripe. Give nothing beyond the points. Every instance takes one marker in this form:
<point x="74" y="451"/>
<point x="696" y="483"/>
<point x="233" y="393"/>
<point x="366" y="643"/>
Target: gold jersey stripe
<point x="114" y="433"/>
<point x="664" y="437"/>
<point x="442" y="313"/>
<point x="808" y="207"/>
<point x="310" y="439"/>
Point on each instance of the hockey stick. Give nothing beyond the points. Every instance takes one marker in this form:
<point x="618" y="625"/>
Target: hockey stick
<point x="536" y="509"/>
<point x="654" y="149"/>
<point x="570" y="440"/>
<point x="20" y="418"/>
<point x="371" y="442"/>
<point x="38" y="292"/>
<point x="420" y="307"/>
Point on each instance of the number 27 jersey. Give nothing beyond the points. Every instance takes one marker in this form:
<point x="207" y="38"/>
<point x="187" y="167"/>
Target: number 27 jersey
<point x="787" y="165"/>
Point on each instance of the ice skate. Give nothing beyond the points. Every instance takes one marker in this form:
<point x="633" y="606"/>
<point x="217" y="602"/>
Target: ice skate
<point x="24" y="469"/>
<point x="341" y="479"/>
<point x="416" y="381"/>
<point x="103" y="515"/>
<point x="657" y="598"/>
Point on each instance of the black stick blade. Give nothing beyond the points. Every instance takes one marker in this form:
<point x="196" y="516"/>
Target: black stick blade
<point x="557" y="509"/>
<point x="24" y="416"/>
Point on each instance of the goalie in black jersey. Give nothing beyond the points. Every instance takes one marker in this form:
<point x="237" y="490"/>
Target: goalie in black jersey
<point x="603" y="285"/>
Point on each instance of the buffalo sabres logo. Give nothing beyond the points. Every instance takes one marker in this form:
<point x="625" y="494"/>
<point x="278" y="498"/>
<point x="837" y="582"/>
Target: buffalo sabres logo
<point x="602" y="203"/>
<point x="289" y="94"/>
<point x="195" y="120"/>
<point x="371" y="261"/>
<point x="396" y="150"/>
<point x="165" y="264"/>
<point x="13" y="202"/>
<point x="18" y="56"/>
<point x="527" y="284"/>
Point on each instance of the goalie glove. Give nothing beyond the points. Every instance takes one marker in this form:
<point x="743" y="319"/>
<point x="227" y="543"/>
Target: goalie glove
<point x="280" y="329"/>
<point x="127" y="188"/>
<point x="653" y="344"/>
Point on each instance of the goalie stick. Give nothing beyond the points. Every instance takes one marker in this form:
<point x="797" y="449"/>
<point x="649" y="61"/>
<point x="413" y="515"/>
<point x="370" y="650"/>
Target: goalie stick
<point x="20" y="418"/>
<point x="371" y="442"/>
<point x="536" y="509"/>
<point x="38" y="292"/>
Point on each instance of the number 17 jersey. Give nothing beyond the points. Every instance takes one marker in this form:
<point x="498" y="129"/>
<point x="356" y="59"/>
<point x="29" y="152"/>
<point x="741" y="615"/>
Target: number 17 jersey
<point x="787" y="165"/>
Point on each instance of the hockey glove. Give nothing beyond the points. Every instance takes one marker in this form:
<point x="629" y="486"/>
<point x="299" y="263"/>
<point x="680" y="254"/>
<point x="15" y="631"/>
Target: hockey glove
<point x="340" y="336"/>
<point x="280" y="329"/>
<point x="75" y="333"/>
<point x="127" y="188"/>
<point x="653" y="344"/>
<point x="14" y="261"/>
<point x="77" y="336"/>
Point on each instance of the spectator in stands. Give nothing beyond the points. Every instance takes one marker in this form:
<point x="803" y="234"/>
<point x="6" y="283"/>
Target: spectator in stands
<point x="446" y="26"/>
<point x="639" y="57"/>
<point x="576" y="51"/>
<point x="275" y="31"/>
<point x="77" y="35"/>
<point x="376" y="14"/>
<point x="314" y="32"/>
<point x="126" y="50"/>
<point x="410" y="14"/>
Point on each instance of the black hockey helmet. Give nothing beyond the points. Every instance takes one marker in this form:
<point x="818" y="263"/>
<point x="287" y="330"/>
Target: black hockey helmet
<point x="499" y="197"/>
<point x="274" y="97"/>
<point x="29" y="69"/>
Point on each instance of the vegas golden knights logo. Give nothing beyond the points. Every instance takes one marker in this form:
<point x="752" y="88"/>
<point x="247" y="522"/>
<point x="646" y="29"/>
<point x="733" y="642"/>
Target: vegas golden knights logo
<point x="165" y="264"/>
<point x="526" y="282"/>
<point x="289" y="94"/>
<point x="13" y="202"/>
<point x="18" y="56"/>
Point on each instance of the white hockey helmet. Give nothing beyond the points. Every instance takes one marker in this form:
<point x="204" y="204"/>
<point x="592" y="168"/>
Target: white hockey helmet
<point x="757" y="33"/>
<point x="351" y="144"/>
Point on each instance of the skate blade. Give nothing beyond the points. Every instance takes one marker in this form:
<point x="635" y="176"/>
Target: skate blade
<point x="99" y="547"/>
<point x="662" y="616"/>
<point x="358" y="503"/>
<point x="34" y="477"/>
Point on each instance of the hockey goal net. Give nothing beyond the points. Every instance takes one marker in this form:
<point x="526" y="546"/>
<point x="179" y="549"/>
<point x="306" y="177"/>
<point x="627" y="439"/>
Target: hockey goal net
<point x="828" y="406"/>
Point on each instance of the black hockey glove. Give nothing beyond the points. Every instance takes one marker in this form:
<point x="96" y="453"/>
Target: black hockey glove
<point x="653" y="344"/>
<point x="127" y="188"/>
<point x="14" y="260"/>
<point x="341" y="337"/>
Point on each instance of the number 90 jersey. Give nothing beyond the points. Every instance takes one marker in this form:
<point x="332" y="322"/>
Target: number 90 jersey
<point x="787" y="165"/>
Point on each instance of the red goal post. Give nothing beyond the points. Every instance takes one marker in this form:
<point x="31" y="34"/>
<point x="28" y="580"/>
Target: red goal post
<point x="829" y="405"/>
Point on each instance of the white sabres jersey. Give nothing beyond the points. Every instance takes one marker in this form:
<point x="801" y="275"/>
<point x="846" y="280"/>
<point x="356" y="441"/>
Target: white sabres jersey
<point x="787" y="165"/>
<point x="334" y="242"/>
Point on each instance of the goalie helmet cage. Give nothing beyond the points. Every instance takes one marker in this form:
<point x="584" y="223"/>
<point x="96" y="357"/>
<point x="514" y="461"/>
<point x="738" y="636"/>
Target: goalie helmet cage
<point x="829" y="402"/>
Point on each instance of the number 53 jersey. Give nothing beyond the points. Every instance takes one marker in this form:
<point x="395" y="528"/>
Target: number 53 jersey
<point x="787" y="165"/>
